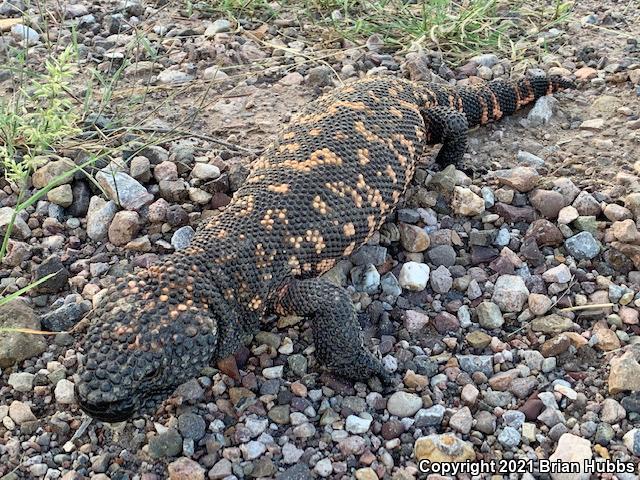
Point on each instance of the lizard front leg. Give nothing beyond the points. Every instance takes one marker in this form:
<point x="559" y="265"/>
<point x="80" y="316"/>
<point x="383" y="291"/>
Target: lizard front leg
<point x="337" y="334"/>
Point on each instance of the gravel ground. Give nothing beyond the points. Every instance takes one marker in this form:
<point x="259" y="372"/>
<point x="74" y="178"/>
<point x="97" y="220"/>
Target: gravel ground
<point x="505" y="296"/>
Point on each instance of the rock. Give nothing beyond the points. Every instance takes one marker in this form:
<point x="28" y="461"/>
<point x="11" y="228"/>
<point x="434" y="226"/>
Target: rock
<point x="99" y="217"/>
<point x="522" y="179"/>
<point x="219" y="26"/>
<point x="441" y="280"/>
<point x="21" y="381"/>
<point x="23" y="33"/>
<point x="625" y="231"/>
<point x="509" y="437"/>
<point x="567" y="188"/>
<point x="60" y="279"/>
<point x="124" y="190"/>
<point x="173" y="77"/>
<point x="291" y="79"/>
<point x="593" y="124"/>
<point x="182" y="237"/>
<point x="476" y="363"/>
<point x="478" y="339"/>
<point x="572" y="448"/>
<point x="64" y="392"/>
<point x="542" y="111"/>
<point x="624" y="374"/>
<point x="559" y="274"/>
<point x="20" y="230"/>
<point x="631" y="440"/>
<point x="220" y="470"/>
<point x="323" y="468"/>
<point x="205" y="171"/>
<point x="62" y="195"/>
<point x="582" y="246"/>
<point x="165" y="444"/>
<point x="442" y="255"/>
<point x="555" y="346"/>
<point x="529" y="159"/>
<point x="489" y="315"/>
<point x="413" y="238"/>
<point x="165" y="171"/>
<point x="185" y="469"/>
<point x="607" y="339"/>
<point x="140" y="168"/>
<point x="403" y="404"/>
<point x="585" y="73"/>
<point x="617" y="213"/>
<point x="214" y="73"/>
<point x="16" y="347"/>
<point x="191" y="426"/>
<point x="252" y="450"/>
<point x="548" y="202"/>
<point x="567" y="215"/>
<point x="539" y="304"/>
<point x="320" y="76"/>
<point x="443" y="448"/>
<point x="358" y="424"/>
<point x="586" y="204"/>
<point x="545" y="233"/>
<point x="367" y="473"/>
<point x="551" y="324"/>
<point x="510" y="293"/>
<point x="414" y="276"/>
<point x="21" y="412"/>
<point x="462" y="420"/>
<point x="415" y="321"/>
<point x="365" y="278"/>
<point x="466" y="203"/>
<point x="612" y="412"/>
<point x="124" y="227"/>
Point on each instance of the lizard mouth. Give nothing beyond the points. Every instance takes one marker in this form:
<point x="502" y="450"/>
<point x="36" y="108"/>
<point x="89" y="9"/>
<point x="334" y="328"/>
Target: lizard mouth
<point x="109" y="412"/>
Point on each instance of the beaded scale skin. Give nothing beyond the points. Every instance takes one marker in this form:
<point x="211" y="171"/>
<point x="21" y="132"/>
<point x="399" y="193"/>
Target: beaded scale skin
<point x="318" y="192"/>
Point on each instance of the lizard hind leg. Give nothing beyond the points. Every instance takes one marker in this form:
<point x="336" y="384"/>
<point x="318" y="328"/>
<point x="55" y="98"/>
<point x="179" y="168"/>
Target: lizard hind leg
<point x="449" y="127"/>
<point x="336" y="331"/>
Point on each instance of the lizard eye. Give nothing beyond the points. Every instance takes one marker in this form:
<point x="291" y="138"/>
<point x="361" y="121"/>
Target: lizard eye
<point x="152" y="374"/>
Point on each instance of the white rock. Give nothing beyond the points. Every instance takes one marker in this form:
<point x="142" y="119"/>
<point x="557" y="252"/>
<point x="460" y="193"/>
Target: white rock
<point x="404" y="404"/>
<point x="559" y="274"/>
<point x="358" y="424"/>
<point x="273" y="372"/>
<point x="414" y="276"/>
<point x="324" y="468"/>
<point x="64" y="392"/>
<point x="510" y="293"/>
<point x="572" y="448"/>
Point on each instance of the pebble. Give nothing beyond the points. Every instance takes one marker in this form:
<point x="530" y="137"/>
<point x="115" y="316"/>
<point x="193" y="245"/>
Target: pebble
<point x="510" y="293"/>
<point x="413" y="238"/>
<point x="17" y="347"/>
<point x="571" y="448"/>
<point x="582" y="246"/>
<point x="21" y="412"/>
<point x="323" y="468"/>
<point x="185" y="469"/>
<point x="99" y="217"/>
<point x="182" y="237"/>
<point x="624" y="374"/>
<point x="462" y="420"/>
<point x="358" y="424"/>
<point x="26" y="34"/>
<point x="559" y="274"/>
<point x="20" y="231"/>
<point x="124" y="227"/>
<point x="64" y="392"/>
<point x="21" y="381"/>
<point x="124" y="190"/>
<point x="403" y="404"/>
<point x="509" y="437"/>
<point x="222" y="469"/>
<point x="443" y="448"/>
<point x="467" y="203"/>
<point x="165" y="444"/>
<point x="441" y="280"/>
<point x="489" y="315"/>
<point x="414" y="276"/>
<point x="542" y="111"/>
<point x="631" y="440"/>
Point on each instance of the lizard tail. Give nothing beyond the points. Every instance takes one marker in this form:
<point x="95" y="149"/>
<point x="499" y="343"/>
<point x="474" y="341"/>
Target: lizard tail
<point x="498" y="98"/>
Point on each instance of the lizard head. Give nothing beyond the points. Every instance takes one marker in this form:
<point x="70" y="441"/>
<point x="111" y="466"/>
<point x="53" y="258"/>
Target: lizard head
<point x="152" y="333"/>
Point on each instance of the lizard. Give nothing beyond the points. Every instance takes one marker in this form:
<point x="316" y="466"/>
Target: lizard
<point x="318" y="192"/>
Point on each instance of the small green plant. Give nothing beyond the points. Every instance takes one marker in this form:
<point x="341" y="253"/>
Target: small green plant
<point x="41" y="115"/>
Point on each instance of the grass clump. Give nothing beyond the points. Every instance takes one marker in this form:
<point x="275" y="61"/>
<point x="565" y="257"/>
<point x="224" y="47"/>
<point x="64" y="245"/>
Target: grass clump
<point x="457" y="28"/>
<point x="37" y="119"/>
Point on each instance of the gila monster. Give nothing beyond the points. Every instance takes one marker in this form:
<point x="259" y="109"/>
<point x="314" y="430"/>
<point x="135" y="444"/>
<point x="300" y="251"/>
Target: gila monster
<point x="318" y="192"/>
